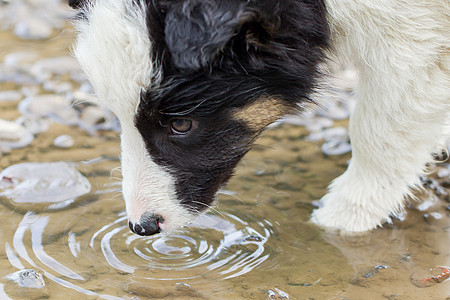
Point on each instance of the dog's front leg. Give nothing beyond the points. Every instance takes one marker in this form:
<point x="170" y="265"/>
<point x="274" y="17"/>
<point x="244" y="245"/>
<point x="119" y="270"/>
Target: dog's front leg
<point x="401" y="115"/>
<point x="391" y="143"/>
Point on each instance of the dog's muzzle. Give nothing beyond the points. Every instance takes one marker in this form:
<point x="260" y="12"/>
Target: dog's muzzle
<point x="147" y="225"/>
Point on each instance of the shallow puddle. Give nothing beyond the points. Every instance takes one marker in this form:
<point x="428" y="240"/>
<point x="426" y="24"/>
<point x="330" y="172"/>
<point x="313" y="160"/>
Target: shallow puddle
<point x="256" y="243"/>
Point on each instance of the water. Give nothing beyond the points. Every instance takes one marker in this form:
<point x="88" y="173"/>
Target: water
<point x="256" y="243"/>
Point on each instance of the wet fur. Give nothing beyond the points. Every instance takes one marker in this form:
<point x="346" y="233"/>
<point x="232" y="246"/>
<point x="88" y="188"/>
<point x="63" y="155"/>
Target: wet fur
<point x="152" y="61"/>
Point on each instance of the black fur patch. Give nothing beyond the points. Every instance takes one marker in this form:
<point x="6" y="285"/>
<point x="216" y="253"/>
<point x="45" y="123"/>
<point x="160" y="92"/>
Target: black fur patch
<point x="202" y="160"/>
<point x="217" y="56"/>
<point x="75" y="3"/>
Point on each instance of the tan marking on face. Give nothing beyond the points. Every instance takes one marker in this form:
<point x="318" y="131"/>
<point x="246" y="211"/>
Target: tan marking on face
<point x="262" y="112"/>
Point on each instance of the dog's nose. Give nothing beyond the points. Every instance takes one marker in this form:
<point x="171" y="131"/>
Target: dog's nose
<point x="147" y="225"/>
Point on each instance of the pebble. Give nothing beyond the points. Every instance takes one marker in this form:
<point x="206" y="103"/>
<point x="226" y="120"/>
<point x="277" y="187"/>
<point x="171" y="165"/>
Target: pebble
<point x="429" y="217"/>
<point x="64" y="141"/>
<point x="335" y="147"/>
<point x="52" y="106"/>
<point x="10" y="96"/>
<point x="20" y="59"/>
<point x="28" y="279"/>
<point x="56" y="66"/>
<point x="26" y="284"/>
<point x="58" y="87"/>
<point x="34" y="19"/>
<point x="93" y="115"/>
<point x="318" y="124"/>
<point x="443" y="172"/>
<point x="337" y="140"/>
<point x="42" y="183"/>
<point x="13" y="135"/>
<point x="335" y="133"/>
<point x="429" y="201"/>
<point x="276" y="293"/>
<point x="94" y="118"/>
<point x="34" y="124"/>
<point x="33" y="29"/>
<point x="17" y="78"/>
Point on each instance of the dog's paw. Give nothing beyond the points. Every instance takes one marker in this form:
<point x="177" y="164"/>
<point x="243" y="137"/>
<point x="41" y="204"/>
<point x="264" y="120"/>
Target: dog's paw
<point x="347" y="217"/>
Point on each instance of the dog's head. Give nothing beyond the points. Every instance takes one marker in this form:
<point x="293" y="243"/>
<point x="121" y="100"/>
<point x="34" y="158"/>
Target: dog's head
<point x="193" y="83"/>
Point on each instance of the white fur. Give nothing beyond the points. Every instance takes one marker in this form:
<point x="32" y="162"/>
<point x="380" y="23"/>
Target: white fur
<point x="114" y="50"/>
<point x="401" y="50"/>
<point x="146" y="185"/>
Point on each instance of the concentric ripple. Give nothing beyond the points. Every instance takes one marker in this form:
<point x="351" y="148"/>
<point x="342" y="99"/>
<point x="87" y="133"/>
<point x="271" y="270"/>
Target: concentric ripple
<point x="72" y="254"/>
<point x="88" y="245"/>
<point x="222" y="246"/>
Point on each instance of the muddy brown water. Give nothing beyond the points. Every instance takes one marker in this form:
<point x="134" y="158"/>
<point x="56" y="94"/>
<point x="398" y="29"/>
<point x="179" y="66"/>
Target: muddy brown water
<point x="256" y="243"/>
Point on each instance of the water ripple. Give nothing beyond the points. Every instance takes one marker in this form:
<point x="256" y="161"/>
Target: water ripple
<point x="213" y="247"/>
<point x="229" y="247"/>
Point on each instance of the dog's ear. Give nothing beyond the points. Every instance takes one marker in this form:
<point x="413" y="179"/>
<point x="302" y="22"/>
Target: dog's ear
<point x="197" y="30"/>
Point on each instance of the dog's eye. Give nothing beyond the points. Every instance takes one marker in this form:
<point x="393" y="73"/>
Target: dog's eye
<point x="180" y="126"/>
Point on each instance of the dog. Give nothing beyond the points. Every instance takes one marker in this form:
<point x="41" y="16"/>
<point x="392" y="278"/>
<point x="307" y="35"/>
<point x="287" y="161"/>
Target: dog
<point x="195" y="82"/>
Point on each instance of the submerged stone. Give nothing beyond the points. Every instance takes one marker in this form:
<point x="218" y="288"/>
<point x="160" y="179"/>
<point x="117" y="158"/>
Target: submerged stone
<point x="10" y="96"/>
<point x="26" y="284"/>
<point x="42" y="183"/>
<point x="52" y="106"/>
<point x="28" y="278"/>
<point x="13" y="135"/>
<point x="34" y="124"/>
<point x="33" y="29"/>
<point x="336" y="147"/>
<point x="64" y="141"/>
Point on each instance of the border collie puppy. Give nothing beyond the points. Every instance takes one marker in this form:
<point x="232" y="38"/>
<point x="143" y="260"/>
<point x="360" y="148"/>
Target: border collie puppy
<point x="194" y="82"/>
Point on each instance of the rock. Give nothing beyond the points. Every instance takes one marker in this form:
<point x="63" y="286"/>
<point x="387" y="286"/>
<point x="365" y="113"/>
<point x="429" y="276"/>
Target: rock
<point x="93" y="115"/>
<point x="10" y="96"/>
<point x="16" y="68"/>
<point x="34" y="19"/>
<point x="276" y="293"/>
<point x="53" y="106"/>
<point x="42" y="183"/>
<point x="34" y="124"/>
<point x="64" y="141"/>
<point x="33" y="29"/>
<point x="430" y="201"/>
<point x="95" y="118"/>
<point x="58" y="87"/>
<point x="26" y="284"/>
<point x="318" y="124"/>
<point x="337" y="140"/>
<point x="56" y="66"/>
<point x="336" y="147"/>
<point x="28" y="278"/>
<point x="335" y="133"/>
<point x="20" y="59"/>
<point x="13" y="135"/>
